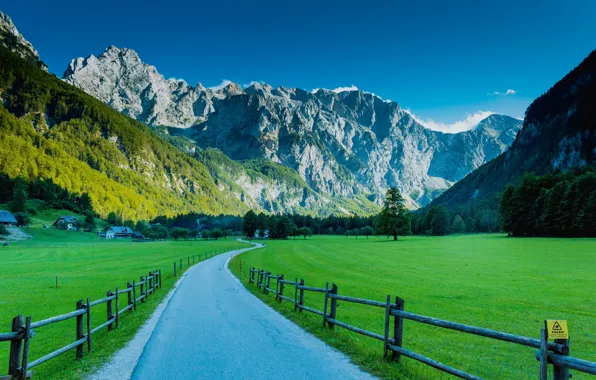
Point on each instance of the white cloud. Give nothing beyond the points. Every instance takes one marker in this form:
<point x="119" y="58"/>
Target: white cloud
<point x="222" y="85"/>
<point x="470" y="122"/>
<point x="343" y="89"/>
<point x="506" y="93"/>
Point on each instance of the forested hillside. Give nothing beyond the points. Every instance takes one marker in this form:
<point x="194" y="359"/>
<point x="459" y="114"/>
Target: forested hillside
<point x="559" y="134"/>
<point x="49" y="129"/>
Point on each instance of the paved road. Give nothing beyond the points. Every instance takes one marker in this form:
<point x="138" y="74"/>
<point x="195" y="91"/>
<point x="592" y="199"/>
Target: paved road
<point x="213" y="328"/>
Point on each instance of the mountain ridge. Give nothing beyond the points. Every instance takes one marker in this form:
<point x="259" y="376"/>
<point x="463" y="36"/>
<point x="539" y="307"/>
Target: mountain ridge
<point x="558" y="134"/>
<point x="343" y="144"/>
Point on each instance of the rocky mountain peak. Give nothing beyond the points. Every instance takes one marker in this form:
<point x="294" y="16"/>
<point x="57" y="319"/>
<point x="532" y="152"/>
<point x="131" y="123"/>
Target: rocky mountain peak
<point x="11" y="39"/>
<point x="342" y="143"/>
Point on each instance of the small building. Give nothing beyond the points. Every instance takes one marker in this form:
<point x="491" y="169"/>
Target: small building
<point x="138" y="236"/>
<point x="7" y="219"/>
<point x="107" y="234"/>
<point x="116" y="232"/>
<point x="69" y="223"/>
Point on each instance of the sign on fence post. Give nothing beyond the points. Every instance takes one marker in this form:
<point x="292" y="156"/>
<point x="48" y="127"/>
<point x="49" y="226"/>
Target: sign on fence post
<point x="557" y="329"/>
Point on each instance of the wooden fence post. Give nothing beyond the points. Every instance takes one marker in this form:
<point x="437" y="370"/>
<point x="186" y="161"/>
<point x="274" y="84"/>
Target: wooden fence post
<point x="174" y="269"/>
<point x="398" y="329"/>
<point x="88" y="307"/>
<point x="117" y="309"/>
<point x="267" y="281"/>
<point x="543" y="354"/>
<point x="281" y="287"/>
<point x="295" y="294"/>
<point x="109" y="308"/>
<point x="142" y="283"/>
<point x="134" y="295"/>
<point x="160" y="278"/>
<point x="333" y="306"/>
<point x="188" y="261"/>
<point x="129" y="294"/>
<point x="387" y="320"/>
<point x="325" y="304"/>
<point x="258" y="279"/>
<point x="561" y="373"/>
<point x="79" y="329"/>
<point x="277" y="288"/>
<point x="26" y="337"/>
<point x="180" y="264"/>
<point x="301" y="300"/>
<point x="16" y="346"/>
<point x="250" y="276"/>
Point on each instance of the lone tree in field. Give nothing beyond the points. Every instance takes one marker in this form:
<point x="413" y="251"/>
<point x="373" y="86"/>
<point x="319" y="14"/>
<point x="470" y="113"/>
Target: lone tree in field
<point x="394" y="219"/>
<point x="249" y="224"/>
<point x="305" y="231"/>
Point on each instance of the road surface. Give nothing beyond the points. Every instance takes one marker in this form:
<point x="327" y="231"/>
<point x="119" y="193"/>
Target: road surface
<point x="213" y="328"/>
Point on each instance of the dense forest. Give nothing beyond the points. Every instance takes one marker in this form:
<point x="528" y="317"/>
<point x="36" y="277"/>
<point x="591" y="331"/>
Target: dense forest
<point x="49" y="129"/>
<point x="562" y="204"/>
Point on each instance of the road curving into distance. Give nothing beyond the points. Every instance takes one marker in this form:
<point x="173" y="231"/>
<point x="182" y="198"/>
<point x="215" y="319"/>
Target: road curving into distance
<point x="213" y="328"/>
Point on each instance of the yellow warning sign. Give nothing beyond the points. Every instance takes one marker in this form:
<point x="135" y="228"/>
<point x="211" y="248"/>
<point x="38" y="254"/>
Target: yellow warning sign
<point x="557" y="329"/>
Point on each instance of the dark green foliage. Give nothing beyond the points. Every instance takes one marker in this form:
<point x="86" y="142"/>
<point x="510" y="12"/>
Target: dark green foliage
<point x="179" y="233"/>
<point x="249" y="224"/>
<point x="3" y="230"/>
<point x="19" y="195"/>
<point x="458" y="226"/>
<point x="441" y="221"/>
<point x="562" y="204"/>
<point x="367" y="231"/>
<point x="193" y="234"/>
<point x="22" y="218"/>
<point x="305" y="231"/>
<point x="217" y="233"/>
<point x="394" y="219"/>
<point x="89" y="221"/>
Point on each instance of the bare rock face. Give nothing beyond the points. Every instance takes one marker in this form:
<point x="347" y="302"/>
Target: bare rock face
<point x="11" y="39"/>
<point x="346" y="144"/>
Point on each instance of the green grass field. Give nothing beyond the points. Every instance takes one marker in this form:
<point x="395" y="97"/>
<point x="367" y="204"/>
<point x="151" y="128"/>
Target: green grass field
<point x="491" y="281"/>
<point x="86" y="266"/>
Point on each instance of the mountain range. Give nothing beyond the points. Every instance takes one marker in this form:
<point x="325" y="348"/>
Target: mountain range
<point x="227" y="148"/>
<point x="349" y="145"/>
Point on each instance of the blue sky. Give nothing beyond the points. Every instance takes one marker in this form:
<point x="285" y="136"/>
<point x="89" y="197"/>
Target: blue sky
<point x="443" y="60"/>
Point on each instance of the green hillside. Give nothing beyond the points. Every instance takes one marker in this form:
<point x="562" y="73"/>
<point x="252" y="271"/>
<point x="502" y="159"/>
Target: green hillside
<point x="50" y="129"/>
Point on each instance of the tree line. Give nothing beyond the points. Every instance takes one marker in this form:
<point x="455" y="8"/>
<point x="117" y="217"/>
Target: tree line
<point x="559" y="204"/>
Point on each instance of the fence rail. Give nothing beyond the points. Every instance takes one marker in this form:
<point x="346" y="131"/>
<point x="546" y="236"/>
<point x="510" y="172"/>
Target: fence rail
<point x="24" y="330"/>
<point x="555" y="353"/>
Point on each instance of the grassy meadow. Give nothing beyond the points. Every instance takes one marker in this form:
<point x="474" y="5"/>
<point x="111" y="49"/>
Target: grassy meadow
<point x="491" y="281"/>
<point x="86" y="266"/>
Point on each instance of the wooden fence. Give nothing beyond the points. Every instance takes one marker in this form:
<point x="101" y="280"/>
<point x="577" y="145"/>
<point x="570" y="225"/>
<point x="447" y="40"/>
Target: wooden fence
<point x="555" y="353"/>
<point x="24" y="329"/>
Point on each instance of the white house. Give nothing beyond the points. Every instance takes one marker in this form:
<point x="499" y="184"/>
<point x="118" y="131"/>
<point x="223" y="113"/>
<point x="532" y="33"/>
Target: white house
<point x="69" y="223"/>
